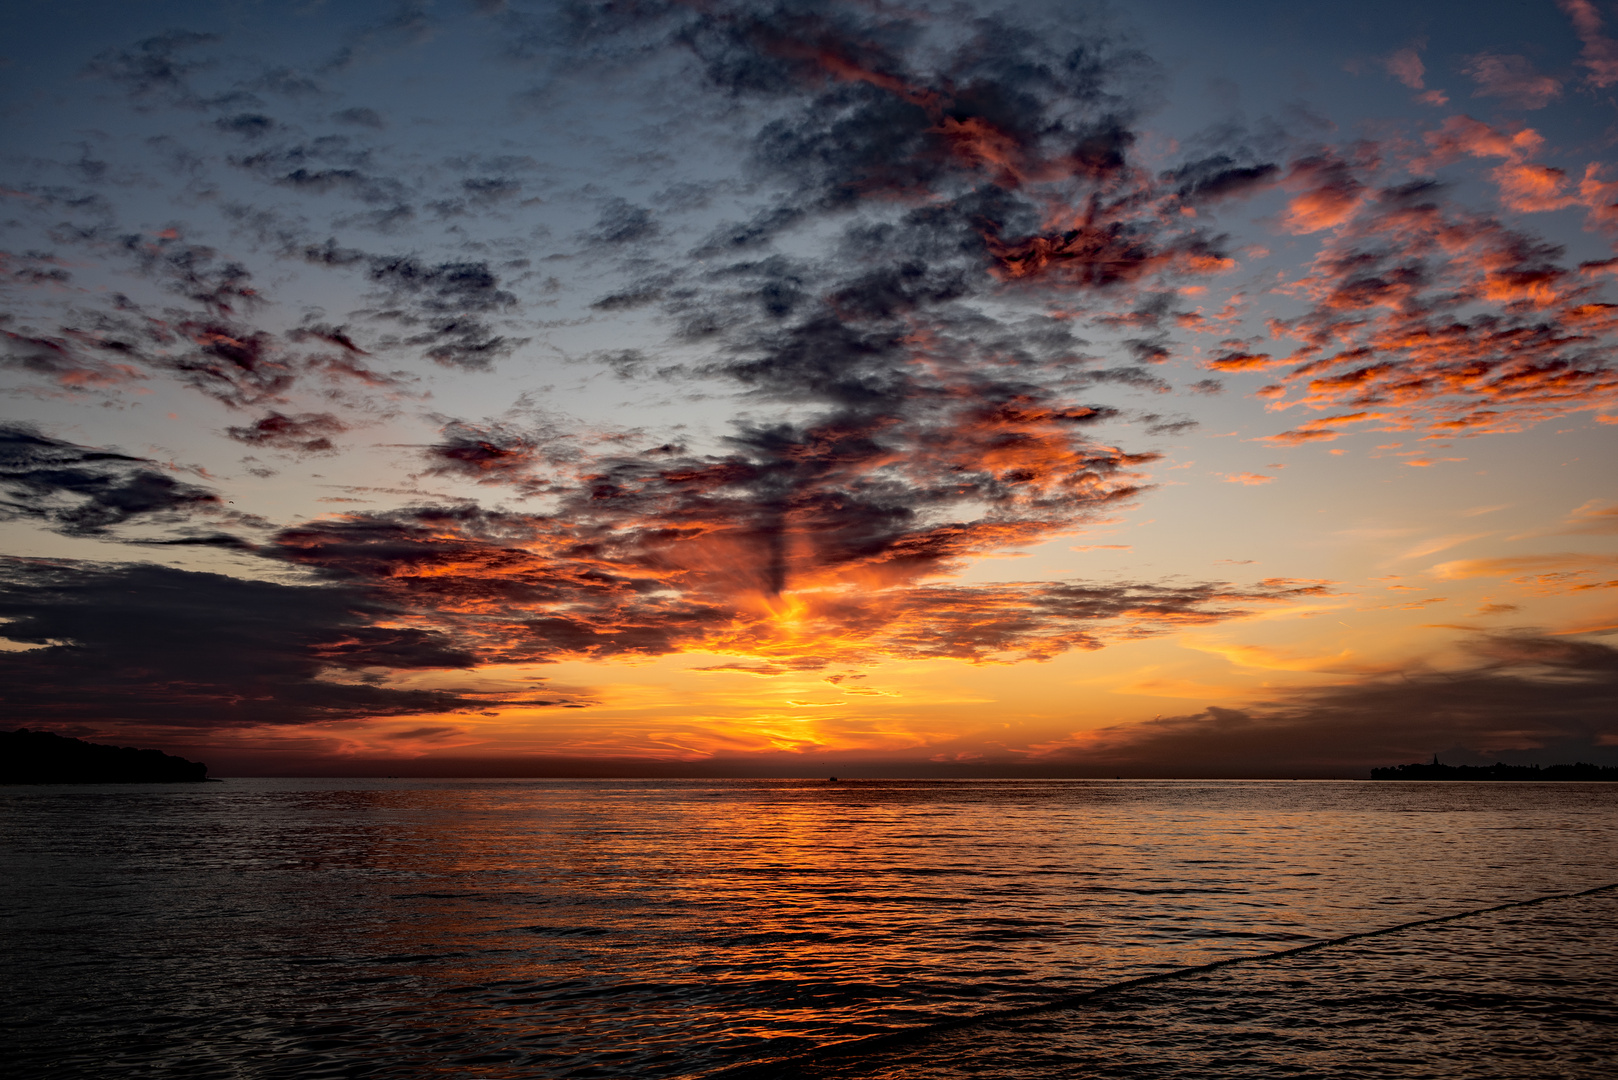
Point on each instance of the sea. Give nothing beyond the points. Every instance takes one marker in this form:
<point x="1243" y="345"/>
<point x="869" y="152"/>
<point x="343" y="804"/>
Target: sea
<point x="805" y="928"/>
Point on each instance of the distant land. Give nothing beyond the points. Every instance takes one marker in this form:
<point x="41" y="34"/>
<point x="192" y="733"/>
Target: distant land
<point x="1498" y="771"/>
<point x="39" y="757"/>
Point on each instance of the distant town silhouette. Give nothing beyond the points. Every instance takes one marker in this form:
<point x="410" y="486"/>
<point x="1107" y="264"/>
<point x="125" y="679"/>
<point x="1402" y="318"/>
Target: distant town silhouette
<point x="1498" y="771"/>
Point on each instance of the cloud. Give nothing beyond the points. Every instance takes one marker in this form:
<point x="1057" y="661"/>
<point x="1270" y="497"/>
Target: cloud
<point x="704" y="574"/>
<point x="1406" y="66"/>
<point x="1427" y="317"/>
<point x="1265" y="658"/>
<point x="1219" y="177"/>
<point x="1237" y="360"/>
<point x="1523" y="698"/>
<point x="1544" y="574"/>
<point x="1600" y="53"/>
<point x="61" y="361"/>
<point x="487" y="453"/>
<point x="82" y="491"/>
<point x="177" y="648"/>
<point x="446" y="301"/>
<point x="324" y="167"/>
<point x="359" y="116"/>
<point x="1329" y="194"/>
<point x="1525" y="187"/>
<point x="247" y="125"/>
<point x="1433" y="545"/>
<point x="914" y="189"/>
<point x="307" y="432"/>
<point x="1594" y="517"/>
<point x="407" y="25"/>
<point x="154" y="68"/>
<point x="1512" y="78"/>
<point x="621" y="222"/>
<point x="917" y="422"/>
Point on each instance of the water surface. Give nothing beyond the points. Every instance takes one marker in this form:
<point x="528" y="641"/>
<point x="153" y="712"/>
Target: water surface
<point x="261" y="928"/>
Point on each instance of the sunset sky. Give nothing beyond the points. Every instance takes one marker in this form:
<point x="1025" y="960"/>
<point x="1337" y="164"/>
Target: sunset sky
<point x="728" y="388"/>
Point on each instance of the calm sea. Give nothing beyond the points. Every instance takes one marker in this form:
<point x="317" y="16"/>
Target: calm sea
<point x="532" y="928"/>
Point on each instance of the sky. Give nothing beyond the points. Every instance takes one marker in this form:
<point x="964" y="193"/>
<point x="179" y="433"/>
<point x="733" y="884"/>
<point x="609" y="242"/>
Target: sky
<point x="724" y="388"/>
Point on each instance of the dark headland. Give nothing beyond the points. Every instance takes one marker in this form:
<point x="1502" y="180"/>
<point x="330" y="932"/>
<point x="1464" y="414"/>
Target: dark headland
<point x="38" y="757"/>
<point x="1497" y="771"/>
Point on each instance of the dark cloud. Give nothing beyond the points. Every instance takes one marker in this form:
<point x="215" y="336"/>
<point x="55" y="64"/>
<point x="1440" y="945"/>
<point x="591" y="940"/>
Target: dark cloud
<point x="444" y="287"/>
<point x="190" y="270"/>
<point x="213" y="352"/>
<point x="210" y="345"/>
<point x="360" y="117"/>
<point x="329" y="254"/>
<point x="155" y="68"/>
<point x="287" y="82"/>
<point x="33" y="268"/>
<point x="61" y="361"/>
<point x="444" y="304"/>
<point x="247" y="125"/>
<point x="491" y="454"/>
<point x="408" y="24"/>
<point x="1167" y="425"/>
<point x="309" y="433"/>
<point x="221" y="359"/>
<point x="490" y="189"/>
<point x="322" y="166"/>
<point x="1525" y="699"/>
<point x="942" y="166"/>
<point x="622" y="222"/>
<point x="171" y="647"/>
<point x="629" y="299"/>
<point x="1217" y="177"/>
<point x="82" y="491"/>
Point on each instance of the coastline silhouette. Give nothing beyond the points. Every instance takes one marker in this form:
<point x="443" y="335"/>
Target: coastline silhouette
<point x="39" y="757"/>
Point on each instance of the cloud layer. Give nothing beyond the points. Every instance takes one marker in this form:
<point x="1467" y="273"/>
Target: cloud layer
<point x="933" y="255"/>
<point x="1524" y="699"/>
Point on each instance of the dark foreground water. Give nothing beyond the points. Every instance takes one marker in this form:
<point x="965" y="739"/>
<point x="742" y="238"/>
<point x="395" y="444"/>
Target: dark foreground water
<point x="309" y="928"/>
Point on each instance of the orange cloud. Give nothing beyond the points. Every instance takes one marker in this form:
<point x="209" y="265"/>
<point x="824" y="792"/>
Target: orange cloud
<point x="1594" y="517"/>
<point x="1395" y="328"/>
<point x="1323" y="429"/>
<point x="1545" y="574"/>
<point x="1243" y="361"/>
<point x="1328" y="194"/>
<point x="515" y="589"/>
<point x="1525" y="187"/>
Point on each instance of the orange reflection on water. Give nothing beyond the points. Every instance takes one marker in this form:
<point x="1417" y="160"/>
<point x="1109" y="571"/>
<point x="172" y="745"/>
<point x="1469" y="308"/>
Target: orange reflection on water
<point x="657" y="928"/>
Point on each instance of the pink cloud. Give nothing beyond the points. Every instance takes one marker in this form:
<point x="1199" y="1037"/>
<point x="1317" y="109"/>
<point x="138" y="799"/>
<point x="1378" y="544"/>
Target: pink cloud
<point x="1514" y="79"/>
<point x="1600" y="53"/>
<point x="1406" y="66"/>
